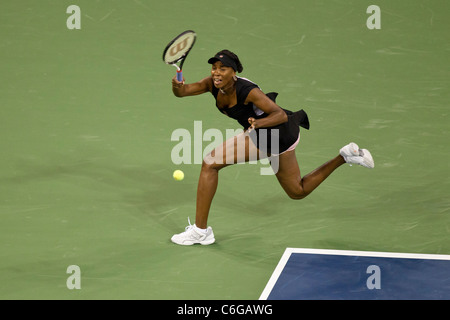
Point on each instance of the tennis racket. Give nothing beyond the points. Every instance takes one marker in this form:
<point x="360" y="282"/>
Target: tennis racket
<point x="178" y="49"/>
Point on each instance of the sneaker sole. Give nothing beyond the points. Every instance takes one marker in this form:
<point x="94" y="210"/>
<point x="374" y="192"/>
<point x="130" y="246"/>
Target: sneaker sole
<point x="191" y="243"/>
<point x="206" y="243"/>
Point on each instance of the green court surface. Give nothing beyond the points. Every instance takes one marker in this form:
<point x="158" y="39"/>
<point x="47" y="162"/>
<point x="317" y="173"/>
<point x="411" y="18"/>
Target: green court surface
<point x="86" y="118"/>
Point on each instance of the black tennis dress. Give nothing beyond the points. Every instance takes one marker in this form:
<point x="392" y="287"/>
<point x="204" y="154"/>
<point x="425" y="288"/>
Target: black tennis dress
<point x="287" y="133"/>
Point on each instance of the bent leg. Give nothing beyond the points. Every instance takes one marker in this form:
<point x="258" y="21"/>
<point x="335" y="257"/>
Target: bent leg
<point x="237" y="149"/>
<point x="290" y="178"/>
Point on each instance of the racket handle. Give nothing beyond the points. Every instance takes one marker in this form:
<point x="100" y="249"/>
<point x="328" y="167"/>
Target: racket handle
<point x="180" y="75"/>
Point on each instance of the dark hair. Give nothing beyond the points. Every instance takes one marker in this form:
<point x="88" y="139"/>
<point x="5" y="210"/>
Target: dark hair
<point x="233" y="56"/>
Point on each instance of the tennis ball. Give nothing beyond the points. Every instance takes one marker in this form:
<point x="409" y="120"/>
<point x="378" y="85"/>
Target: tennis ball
<point x="178" y="175"/>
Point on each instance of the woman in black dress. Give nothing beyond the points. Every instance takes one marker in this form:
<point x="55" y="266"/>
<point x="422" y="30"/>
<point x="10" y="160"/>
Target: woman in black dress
<point x="258" y="113"/>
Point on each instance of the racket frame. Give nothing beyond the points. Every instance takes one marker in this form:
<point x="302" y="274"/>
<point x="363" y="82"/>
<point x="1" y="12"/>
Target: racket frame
<point x="183" y="57"/>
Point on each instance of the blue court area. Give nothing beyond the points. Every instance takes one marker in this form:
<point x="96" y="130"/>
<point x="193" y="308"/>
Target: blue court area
<point x="353" y="275"/>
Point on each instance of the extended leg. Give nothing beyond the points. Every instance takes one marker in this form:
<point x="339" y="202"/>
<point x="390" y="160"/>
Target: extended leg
<point x="290" y="179"/>
<point x="297" y="187"/>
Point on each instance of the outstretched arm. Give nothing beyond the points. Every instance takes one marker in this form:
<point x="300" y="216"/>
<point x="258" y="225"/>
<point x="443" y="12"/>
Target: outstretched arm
<point x="180" y="89"/>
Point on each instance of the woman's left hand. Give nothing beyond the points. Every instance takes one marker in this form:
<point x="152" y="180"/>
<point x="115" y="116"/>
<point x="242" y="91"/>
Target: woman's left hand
<point x="252" y="122"/>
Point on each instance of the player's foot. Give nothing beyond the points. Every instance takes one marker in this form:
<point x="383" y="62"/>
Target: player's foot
<point x="194" y="235"/>
<point x="352" y="154"/>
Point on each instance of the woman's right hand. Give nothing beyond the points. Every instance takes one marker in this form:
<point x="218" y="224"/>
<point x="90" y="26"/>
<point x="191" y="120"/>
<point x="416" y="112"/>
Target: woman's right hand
<point x="176" y="83"/>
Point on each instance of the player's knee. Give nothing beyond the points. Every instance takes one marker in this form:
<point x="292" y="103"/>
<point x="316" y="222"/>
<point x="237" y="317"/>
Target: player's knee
<point x="211" y="163"/>
<point x="297" y="195"/>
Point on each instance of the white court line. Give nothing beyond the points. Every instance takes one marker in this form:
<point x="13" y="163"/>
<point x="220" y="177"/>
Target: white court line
<point x="276" y="274"/>
<point x="287" y="254"/>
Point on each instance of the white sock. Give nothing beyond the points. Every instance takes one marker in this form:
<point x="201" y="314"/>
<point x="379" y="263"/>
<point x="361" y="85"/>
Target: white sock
<point x="199" y="230"/>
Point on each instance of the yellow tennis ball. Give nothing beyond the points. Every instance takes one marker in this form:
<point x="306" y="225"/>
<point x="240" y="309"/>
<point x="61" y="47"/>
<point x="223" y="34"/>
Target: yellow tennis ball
<point x="178" y="175"/>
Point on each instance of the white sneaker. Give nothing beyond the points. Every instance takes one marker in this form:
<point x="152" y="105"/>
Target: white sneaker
<point x="194" y="235"/>
<point x="354" y="155"/>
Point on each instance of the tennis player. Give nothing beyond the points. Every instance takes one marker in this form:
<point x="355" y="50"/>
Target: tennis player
<point x="257" y="112"/>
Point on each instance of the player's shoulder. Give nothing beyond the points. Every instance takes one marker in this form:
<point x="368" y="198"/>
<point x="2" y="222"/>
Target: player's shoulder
<point x="246" y="82"/>
<point x="244" y="86"/>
